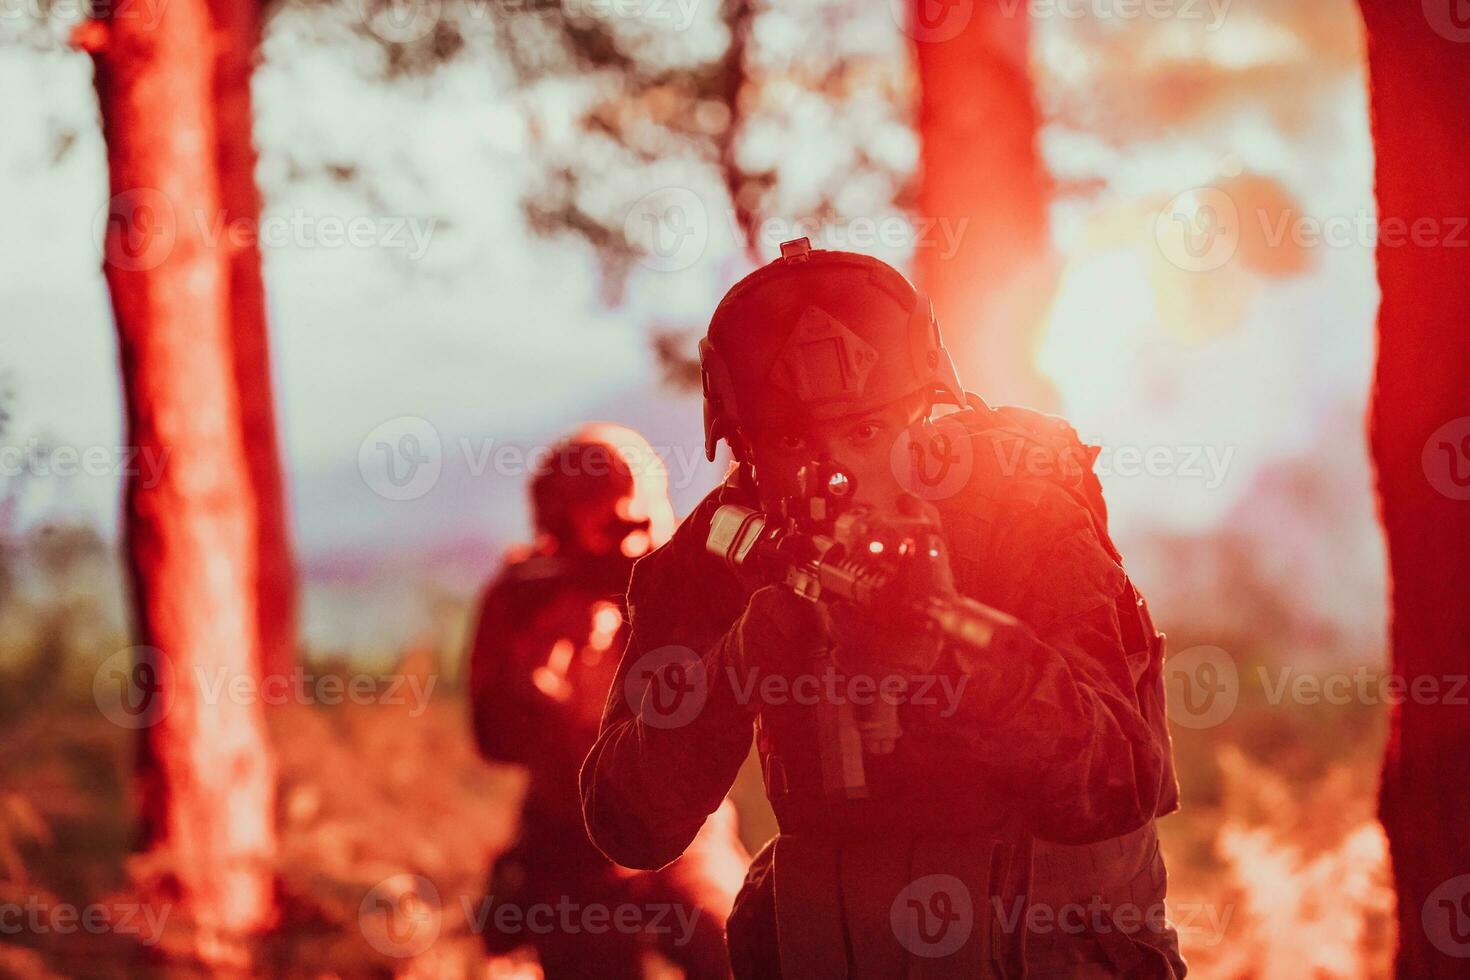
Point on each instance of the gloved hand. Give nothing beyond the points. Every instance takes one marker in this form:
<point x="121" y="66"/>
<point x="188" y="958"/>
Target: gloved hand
<point x="865" y="644"/>
<point x="909" y="552"/>
<point x="779" y="632"/>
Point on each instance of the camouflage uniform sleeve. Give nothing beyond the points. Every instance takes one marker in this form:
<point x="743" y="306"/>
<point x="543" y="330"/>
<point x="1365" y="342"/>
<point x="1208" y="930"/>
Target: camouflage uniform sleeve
<point x="1054" y="707"/>
<point x="648" y="785"/>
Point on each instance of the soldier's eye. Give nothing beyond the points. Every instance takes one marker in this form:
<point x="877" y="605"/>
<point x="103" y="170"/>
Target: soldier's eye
<point x="867" y="431"/>
<point x="791" y="444"/>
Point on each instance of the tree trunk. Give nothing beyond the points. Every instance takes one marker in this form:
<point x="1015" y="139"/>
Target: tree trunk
<point x="205" y="774"/>
<point x="983" y="183"/>
<point x="1419" y="67"/>
<point x="237" y="32"/>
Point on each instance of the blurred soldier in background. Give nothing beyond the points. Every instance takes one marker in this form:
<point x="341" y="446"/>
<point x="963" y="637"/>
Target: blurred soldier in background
<point x="908" y="824"/>
<point x="551" y="631"/>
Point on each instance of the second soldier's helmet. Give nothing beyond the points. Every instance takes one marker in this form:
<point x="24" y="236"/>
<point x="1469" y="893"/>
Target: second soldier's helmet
<point x="818" y="334"/>
<point x="607" y="469"/>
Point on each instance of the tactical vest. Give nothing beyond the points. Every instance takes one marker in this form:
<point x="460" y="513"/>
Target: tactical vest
<point x="1124" y="877"/>
<point x="801" y="871"/>
<point x="1072" y="470"/>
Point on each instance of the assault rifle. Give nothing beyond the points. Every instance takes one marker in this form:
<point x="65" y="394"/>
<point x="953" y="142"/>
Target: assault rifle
<point x="831" y="553"/>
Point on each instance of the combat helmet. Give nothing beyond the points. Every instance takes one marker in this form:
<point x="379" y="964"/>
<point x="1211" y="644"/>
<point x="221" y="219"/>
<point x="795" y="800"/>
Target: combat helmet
<point x="605" y="466"/>
<point x="818" y="334"/>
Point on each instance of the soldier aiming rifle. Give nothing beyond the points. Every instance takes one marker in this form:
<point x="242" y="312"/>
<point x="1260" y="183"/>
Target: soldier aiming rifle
<point x="893" y="535"/>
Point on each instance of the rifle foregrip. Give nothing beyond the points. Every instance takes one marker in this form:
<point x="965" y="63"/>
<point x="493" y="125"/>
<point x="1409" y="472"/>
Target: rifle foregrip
<point x="967" y="622"/>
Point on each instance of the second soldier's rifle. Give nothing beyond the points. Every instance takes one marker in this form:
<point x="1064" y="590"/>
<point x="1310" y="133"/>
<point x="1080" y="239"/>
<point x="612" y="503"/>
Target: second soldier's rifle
<point x="833" y="554"/>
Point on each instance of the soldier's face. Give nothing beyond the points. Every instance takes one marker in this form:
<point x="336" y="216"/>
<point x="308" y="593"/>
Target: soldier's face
<point x="861" y="444"/>
<point x="606" y="527"/>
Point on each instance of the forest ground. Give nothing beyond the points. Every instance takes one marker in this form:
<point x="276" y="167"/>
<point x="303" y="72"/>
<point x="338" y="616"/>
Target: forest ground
<point x="1277" y="866"/>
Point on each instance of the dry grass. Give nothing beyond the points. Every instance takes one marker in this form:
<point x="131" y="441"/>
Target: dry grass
<point x="1278" y="868"/>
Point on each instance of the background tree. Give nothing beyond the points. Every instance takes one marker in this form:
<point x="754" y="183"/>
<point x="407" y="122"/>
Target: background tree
<point x="981" y="172"/>
<point x="237" y="30"/>
<point x="205" y="773"/>
<point x="979" y="168"/>
<point x="1417" y="56"/>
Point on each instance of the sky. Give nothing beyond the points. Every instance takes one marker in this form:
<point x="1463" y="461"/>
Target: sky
<point x="455" y="326"/>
